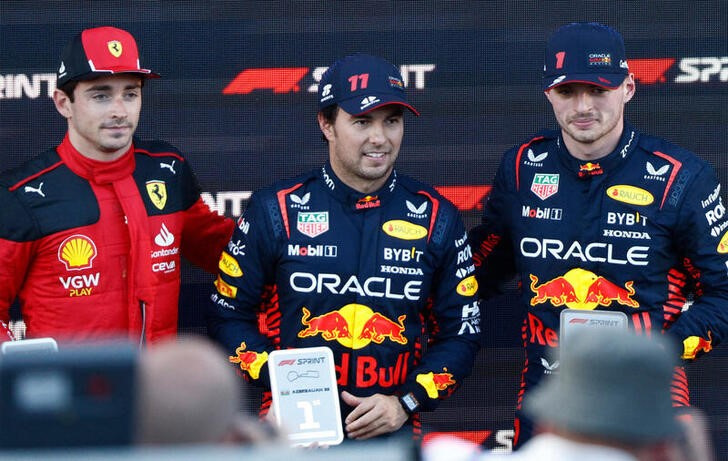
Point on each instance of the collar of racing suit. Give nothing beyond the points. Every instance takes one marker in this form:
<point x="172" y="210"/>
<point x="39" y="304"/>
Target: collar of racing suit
<point x="118" y="175"/>
<point x="95" y="170"/>
<point x="605" y="165"/>
<point x="355" y="199"/>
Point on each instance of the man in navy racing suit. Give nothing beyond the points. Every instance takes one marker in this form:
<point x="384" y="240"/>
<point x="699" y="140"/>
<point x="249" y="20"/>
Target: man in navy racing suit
<point x="598" y="216"/>
<point x="358" y="258"/>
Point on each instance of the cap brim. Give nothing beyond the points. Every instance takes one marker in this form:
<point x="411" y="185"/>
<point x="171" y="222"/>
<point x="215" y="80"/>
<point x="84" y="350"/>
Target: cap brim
<point x="146" y="73"/>
<point x="353" y="106"/>
<point x="608" y="81"/>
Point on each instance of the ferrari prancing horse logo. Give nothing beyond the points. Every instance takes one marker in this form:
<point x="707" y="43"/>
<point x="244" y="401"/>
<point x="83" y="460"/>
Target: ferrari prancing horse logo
<point x="114" y="48"/>
<point x="157" y="192"/>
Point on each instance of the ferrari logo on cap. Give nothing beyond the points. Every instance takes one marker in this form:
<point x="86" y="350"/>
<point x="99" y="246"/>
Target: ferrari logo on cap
<point x="114" y="48"/>
<point x="157" y="192"/>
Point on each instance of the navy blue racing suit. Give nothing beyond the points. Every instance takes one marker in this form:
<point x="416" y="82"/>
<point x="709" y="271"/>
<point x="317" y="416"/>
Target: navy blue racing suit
<point x="369" y="276"/>
<point x="636" y="231"/>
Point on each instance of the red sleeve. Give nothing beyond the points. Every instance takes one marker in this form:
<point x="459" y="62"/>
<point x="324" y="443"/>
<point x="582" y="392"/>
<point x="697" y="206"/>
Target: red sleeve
<point x="15" y="257"/>
<point x="204" y="236"/>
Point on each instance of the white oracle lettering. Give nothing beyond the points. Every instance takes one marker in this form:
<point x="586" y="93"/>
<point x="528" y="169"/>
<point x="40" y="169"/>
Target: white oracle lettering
<point x="80" y="281"/>
<point x="164" y="266"/>
<point x="402" y="254"/>
<point x="702" y="69"/>
<point x="220" y="200"/>
<point x="592" y="252"/>
<point x="379" y="287"/>
<point x="716" y="214"/>
<point x="17" y="86"/>
<point x="464" y="255"/>
<point x="626" y="219"/>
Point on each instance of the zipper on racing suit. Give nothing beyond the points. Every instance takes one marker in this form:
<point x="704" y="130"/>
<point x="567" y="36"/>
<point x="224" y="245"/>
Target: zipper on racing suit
<point x="142" y="307"/>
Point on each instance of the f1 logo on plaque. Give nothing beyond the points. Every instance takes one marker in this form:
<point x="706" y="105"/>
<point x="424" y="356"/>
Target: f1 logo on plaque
<point x="305" y="395"/>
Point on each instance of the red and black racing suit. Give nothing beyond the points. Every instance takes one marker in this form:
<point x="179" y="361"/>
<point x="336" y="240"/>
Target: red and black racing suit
<point x="92" y="249"/>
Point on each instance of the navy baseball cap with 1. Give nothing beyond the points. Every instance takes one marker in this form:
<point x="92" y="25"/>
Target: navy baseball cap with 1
<point x="585" y="52"/>
<point x="360" y="83"/>
<point x="97" y="52"/>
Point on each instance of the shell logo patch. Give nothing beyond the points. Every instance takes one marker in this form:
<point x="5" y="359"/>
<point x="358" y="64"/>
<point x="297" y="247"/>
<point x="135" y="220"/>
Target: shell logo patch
<point x="77" y="252"/>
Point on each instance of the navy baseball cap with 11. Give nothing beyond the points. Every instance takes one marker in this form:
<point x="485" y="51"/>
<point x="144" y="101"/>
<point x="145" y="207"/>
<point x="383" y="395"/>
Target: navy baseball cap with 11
<point x="98" y="52"/>
<point x="585" y="52"/>
<point x="360" y="83"/>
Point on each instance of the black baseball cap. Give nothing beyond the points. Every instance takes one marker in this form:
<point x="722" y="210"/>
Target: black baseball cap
<point x="585" y="52"/>
<point x="100" y="51"/>
<point x="360" y="83"/>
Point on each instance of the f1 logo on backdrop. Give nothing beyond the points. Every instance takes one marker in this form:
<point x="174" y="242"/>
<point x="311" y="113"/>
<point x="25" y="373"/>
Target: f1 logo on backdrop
<point x="288" y="79"/>
<point x="648" y="71"/>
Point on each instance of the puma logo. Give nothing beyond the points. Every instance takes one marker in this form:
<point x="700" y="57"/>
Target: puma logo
<point x="169" y="166"/>
<point x="36" y="190"/>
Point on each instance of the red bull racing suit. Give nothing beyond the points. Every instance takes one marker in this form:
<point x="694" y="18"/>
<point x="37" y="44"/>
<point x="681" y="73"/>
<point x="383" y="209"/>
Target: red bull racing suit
<point x="92" y="249"/>
<point x="366" y="275"/>
<point x="636" y="231"/>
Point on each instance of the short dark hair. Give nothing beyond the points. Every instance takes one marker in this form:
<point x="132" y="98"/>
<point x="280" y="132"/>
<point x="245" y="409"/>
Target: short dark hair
<point x="329" y="113"/>
<point x="69" y="88"/>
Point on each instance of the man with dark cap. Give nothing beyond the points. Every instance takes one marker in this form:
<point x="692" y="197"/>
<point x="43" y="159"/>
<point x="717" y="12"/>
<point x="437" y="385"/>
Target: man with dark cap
<point x="91" y="232"/>
<point x="356" y="257"/>
<point x="598" y="216"/>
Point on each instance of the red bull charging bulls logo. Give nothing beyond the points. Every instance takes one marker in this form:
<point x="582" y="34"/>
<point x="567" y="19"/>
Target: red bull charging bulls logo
<point x="581" y="289"/>
<point x="249" y="361"/>
<point x="435" y="382"/>
<point x="353" y="326"/>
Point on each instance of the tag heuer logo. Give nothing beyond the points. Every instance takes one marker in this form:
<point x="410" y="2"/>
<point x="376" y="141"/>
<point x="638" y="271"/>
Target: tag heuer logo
<point x="313" y="224"/>
<point x="157" y="192"/>
<point x="545" y="185"/>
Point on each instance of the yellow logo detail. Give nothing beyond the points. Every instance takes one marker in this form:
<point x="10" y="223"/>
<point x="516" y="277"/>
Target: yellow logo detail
<point x="435" y="382"/>
<point x="77" y="252"/>
<point x="404" y="230"/>
<point x="249" y="361"/>
<point x="468" y="286"/>
<point x="225" y="289"/>
<point x="157" y="192"/>
<point x="229" y="266"/>
<point x="353" y="326"/>
<point x="630" y="194"/>
<point x="114" y="48"/>
<point x="723" y="244"/>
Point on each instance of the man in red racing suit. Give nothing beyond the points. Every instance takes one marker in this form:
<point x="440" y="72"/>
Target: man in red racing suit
<point x="91" y="232"/>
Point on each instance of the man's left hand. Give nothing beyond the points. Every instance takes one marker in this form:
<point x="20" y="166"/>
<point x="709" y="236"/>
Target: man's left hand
<point x="372" y="416"/>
